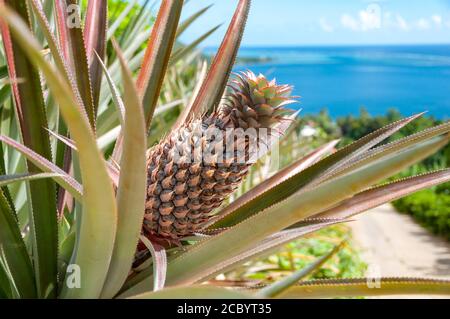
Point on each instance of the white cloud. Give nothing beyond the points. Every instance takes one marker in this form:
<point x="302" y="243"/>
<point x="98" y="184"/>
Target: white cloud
<point x="423" y="24"/>
<point x="389" y="20"/>
<point x="372" y="18"/>
<point x="349" y="22"/>
<point x="401" y="23"/>
<point x="325" y="26"/>
<point x="368" y="19"/>
<point x="437" y="19"/>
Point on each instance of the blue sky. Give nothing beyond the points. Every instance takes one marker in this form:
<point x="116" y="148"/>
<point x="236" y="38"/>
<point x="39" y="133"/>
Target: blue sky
<point x="329" y="22"/>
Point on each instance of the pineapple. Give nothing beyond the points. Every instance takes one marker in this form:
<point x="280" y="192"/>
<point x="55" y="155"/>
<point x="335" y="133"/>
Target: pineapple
<point x="162" y="195"/>
<point x="181" y="194"/>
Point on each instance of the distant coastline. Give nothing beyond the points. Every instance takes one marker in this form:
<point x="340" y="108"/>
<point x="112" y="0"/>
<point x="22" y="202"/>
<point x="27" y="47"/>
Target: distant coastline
<point x="410" y="78"/>
<point x="322" y="46"/>
<point x="253" y="60"/>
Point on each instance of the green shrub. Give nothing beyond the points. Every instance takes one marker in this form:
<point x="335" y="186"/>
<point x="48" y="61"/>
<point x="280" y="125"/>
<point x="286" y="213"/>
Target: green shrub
<point x="431" y="208"/>
<point x="300" y="253"/>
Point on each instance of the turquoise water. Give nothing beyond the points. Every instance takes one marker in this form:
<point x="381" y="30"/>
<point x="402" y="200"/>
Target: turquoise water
<point x="344" y="79"/>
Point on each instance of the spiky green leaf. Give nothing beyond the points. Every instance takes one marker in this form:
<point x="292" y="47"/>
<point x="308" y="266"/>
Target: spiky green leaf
<point x="131" y="193"/>
<point x="99" y="216"/>
<point x="29" y="101"/>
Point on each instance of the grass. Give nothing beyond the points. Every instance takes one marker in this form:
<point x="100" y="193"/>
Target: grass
<point x="347" y="263"/>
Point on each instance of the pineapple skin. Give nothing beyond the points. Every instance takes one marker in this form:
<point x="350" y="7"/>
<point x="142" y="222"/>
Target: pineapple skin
<point x="184" y="185"/>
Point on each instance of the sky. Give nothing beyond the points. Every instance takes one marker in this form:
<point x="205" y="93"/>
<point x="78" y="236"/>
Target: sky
<point x="328" y="22"/>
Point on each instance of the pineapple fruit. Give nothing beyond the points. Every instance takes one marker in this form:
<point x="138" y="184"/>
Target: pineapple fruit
<point x="183" y="191"/>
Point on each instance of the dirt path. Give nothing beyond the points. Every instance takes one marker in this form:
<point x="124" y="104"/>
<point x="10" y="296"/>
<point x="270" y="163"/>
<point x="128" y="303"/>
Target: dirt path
<point x="394" y="244"/>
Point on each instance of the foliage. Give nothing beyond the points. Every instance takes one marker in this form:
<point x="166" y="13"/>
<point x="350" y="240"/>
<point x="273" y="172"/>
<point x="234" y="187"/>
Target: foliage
<point x="117" y="7"/>
<point x="300" y="253"/>
<point x="353" y="128"/>
<point x="350" y="128"/>
<point x="429" y="207"/>
<point x="86" y="125"/>
<point x="345" y="264"/>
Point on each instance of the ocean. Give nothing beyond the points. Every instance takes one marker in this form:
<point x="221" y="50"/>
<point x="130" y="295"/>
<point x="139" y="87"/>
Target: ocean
<point x="344" y="79"/>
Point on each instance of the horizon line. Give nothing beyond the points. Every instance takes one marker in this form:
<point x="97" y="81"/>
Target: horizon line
<point x="256" y="46"/>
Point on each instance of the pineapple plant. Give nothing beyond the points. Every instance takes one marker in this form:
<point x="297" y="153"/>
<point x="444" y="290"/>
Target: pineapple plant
<point x="99" y="169"/>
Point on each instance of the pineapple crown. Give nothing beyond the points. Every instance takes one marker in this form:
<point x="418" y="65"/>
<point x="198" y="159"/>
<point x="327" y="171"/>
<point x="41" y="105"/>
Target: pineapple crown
<point x="255" y="102"/>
